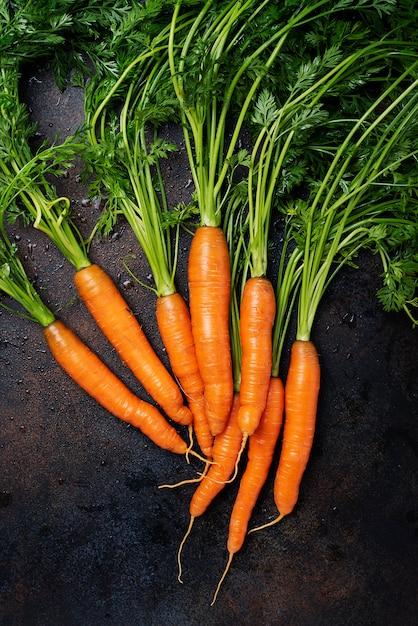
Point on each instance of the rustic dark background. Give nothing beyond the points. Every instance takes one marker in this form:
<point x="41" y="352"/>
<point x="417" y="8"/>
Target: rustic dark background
<point x="86" y="536"/>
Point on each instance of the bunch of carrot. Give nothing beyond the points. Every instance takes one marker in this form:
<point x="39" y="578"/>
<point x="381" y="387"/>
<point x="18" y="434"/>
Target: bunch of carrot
<point x="225" y="344"/>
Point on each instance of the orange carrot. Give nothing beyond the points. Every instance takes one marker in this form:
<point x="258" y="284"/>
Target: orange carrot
<point x="260" y="455"/>
<point x="121" y="327"/>
<point x="209" y="289"/>
<point x="225" y="452"/>
<point x="301" y="399"/>
<point x="174" y="323"/>
<point x="257" y="312"/>
<point x="86" y="369"/>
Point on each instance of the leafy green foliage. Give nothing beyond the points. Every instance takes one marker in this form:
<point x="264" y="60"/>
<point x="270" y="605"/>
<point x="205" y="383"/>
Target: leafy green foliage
<point x="67" y="33"/>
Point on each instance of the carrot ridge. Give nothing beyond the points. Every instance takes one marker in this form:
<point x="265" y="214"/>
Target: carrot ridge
<point x="88" y="371"/>
<point x="120" y="326"/>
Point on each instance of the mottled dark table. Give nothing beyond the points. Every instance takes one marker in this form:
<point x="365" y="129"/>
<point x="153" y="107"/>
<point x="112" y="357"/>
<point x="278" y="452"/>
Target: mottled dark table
<point x="88" y="539"/>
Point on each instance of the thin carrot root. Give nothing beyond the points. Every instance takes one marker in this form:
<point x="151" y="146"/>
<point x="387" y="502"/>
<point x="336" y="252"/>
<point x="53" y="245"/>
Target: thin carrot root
<point x="201" y="476"/>
<point x="183" y="541"/>
<point x="272" y="523"/>
<point x="228" y="565"/>
<point x="190" y="431"/>
<point x="198" y="456"/>
<point x="187" y="481"/>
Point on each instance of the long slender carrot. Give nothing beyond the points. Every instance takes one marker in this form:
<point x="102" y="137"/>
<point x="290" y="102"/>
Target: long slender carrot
<point x="103" y="299"/>
<point x="260" y="455"/>
<point x="301" y="399"/>
<point x="225" y="452"/>
<point x="175" y="327"/>
<point x="93" y="376"/>
<point x="137" y="162"/>
<point x="209" y="292"/>
<point x="113" y="316"/>
<point x="78" y="360"/>
<point x="257" y="313"/>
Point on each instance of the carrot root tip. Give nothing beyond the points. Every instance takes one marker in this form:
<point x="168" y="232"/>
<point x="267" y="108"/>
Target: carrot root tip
<point x="183" y="541"/>
<point x="228" y="565"/>
<point x="272" y="523"/>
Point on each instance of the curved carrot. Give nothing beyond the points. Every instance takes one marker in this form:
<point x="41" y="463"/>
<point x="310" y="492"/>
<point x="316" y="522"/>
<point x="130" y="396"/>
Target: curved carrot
<point x="257" y="313"/>
<point x="87" y="370"/>
<point x="201" y="428"/>
<point x="301" y="399"/>
<point x="174" y="323"/>
<point x="260" y="454"/>
<point x="225" y="452"/>
<point x="209" y="291"/>
<point x="122" y="329"/>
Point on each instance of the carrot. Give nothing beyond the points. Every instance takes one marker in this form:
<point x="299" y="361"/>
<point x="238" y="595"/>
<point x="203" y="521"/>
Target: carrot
<point x="260" y="455"/>
<point x="174" y="323"/>
<point x="137" y="161"/>
<point x="93" y="376"/>
<point x="257" y="312"/>
<point x="78" y="360"/>
<point x="209" y="291"/>
<point x="225" y="451"/>
<point x="120" y="326"/>
<point x="301" y="398"/>
<point x="104" y="301"/>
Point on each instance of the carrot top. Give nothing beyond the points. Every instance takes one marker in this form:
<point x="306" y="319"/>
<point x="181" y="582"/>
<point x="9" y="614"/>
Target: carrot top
<point x="15" y="283"/>
<point x="25" y="189"/>
<point x="364" y="185"/>
<point x="216" y="73"/>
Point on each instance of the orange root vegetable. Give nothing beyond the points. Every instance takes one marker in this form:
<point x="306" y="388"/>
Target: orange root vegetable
<point x="117" y="322"/>
<point x="88" y="371"/>
<point x="257" y="313"/>
<point x="209" y="288"/>
<point x="225" y="453"/>
<point x="260" y="454"/>
<point x="301" y="399"/>
<point x="175" y="327"/>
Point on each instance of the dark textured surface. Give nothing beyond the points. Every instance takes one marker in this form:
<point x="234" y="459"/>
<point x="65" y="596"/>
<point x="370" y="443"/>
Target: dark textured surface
<point x="86" y="536"/>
